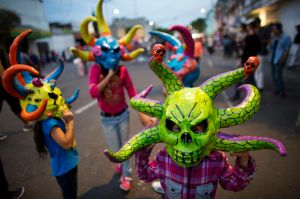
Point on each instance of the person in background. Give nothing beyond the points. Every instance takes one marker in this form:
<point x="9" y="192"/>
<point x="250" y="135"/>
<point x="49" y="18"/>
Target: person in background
<point x="4" y="191"/>
<point x="198" y="53"/>
<point x="279" y="51"/>
<point x="295" y="49"/>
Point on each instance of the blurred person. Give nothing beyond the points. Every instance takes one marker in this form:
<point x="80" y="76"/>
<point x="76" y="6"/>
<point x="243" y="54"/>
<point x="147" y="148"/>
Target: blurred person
<point x="226" y="46"/>
<point x="198" y="53"/>
<point x="279" y="51"/>
<point x="294" y="53"/>
<point x="13" y="102"/>
<point x="210" y="44"/>
<point x="251" y="47"/>
<point x="264" y="36"/>
<point x="4" y="191"/>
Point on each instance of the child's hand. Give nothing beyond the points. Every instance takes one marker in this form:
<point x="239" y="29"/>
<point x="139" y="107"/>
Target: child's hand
<point x="243" y="158"/>
<point x="67" y="115"/>
<point x="147" y="121"/>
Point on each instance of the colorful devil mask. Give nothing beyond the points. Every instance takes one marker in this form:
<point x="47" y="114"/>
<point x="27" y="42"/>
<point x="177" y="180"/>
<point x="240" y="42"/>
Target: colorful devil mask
<point x="39" y="98"/>
<point x="106" y="50"/>
<point x="182" y="62"/>
<point x="189" y="122"/>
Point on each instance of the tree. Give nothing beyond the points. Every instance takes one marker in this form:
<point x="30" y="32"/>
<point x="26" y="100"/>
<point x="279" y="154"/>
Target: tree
<point x="199" y="24"/>
<point x="8" y="20"/>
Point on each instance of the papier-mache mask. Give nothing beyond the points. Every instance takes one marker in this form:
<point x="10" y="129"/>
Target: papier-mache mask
<point x="39" y="98"/>
<point x="190" y="123"/>
<point x="182" y="62"/>
<point x="106" y="50"/>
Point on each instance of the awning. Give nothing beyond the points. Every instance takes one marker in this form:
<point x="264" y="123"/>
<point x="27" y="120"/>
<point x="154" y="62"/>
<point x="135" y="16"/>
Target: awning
<point x="36" y="33"/>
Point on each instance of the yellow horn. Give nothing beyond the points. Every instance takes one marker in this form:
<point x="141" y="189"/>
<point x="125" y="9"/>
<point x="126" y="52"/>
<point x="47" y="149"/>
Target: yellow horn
<point x="128" y="37"/>
<point x="102" y="26"/>
<point x="86" y="36"/>
<point x="132" y="55"/>
<point x="84" y="55"/>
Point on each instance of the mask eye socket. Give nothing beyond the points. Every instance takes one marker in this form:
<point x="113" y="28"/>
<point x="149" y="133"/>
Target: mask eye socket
<point x="38" y="100"/>
<point x="200" y="127"/>
<point x="104" y="49"/>
<point x="171" y="126"/>
<point x="29" y="98"/>
<point x="116" y="50"/>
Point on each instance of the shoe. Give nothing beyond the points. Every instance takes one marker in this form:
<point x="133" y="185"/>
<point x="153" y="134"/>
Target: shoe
<point x="157" y="187"/>
<point x="118" y="168"/>
<point x="125" y="183"/>
<point x="27" y="128"/>
<point x="17" y="194"/>
<point x="3" y="136"/>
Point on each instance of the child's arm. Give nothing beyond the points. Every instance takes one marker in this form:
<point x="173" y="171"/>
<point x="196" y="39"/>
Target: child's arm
<point x="65" y="140"/>
<point x="237" y="178"/>
<point x="146" y="171"/>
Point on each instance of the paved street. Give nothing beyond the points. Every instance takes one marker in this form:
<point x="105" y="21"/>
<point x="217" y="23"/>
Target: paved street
<point x="276" y="177"/>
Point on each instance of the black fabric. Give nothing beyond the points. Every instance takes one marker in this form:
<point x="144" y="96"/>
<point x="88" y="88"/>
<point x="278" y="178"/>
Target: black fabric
<point x="3" y="183"/>
<point x="252" y="46"/>
<point x="68" y="184"/>
<point x="297" y="39"/>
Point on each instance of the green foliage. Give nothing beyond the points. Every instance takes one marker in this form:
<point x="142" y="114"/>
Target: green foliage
<point x="199" y="24"/>
<point x="8" y="20"/>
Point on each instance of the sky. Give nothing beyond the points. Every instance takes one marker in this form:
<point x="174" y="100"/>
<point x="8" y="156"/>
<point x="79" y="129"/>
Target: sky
<point x="164" y="13"/>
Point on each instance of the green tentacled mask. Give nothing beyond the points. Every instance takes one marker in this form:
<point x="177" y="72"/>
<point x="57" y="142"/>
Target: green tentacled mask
<point x="189" y="122"/>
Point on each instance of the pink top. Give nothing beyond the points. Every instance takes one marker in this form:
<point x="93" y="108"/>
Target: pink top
<point x="200" y="181"/>
<point x="112" y="98"/>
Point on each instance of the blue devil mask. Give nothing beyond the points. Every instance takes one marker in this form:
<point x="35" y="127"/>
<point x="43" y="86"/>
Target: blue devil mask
<point x="107" y="52"/>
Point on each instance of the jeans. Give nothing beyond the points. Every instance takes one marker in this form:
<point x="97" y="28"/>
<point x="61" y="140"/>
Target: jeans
<point x="277" y="70"/>
<point x="116" y="130"/>
<point x="68" y="184"/>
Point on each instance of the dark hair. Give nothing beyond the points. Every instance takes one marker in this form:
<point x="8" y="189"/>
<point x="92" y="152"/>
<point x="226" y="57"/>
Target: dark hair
<point x="39" y="140"/>
<point x="278" y="26"/>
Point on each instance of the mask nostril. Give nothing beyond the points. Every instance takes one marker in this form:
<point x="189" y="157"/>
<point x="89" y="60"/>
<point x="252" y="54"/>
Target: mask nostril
<point x="186" y="138"/>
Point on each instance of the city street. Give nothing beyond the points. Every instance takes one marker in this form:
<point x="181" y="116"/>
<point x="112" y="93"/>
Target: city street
<point x="276" y="177"/>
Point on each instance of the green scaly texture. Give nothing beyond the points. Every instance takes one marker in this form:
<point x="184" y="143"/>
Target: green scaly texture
<point x="147" y="107"/>
<point x="241" y="113"/>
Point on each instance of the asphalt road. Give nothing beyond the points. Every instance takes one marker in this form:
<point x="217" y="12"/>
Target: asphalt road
<point x="276" y="177"/>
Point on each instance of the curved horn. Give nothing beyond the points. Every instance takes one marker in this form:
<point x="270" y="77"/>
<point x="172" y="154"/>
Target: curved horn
<point x="187" y="38"/>
<point x="31" y="116"/>
<point x="84" y="55"/>
<point x="54" y="75"/>
<point x="102" y="26"/>
<point x="128" y="37"/>
<point x="169" y="38"/>
<point x="236" y="144"/>
<point x="215" y="85"/>
<point x="163" y="72"/>
<point x="242" y="112"/>
<point x="136" y="143"/>
<point x="86" y="36"/>
<point x="132" y="55"/>
<point x="11" y="84"/>
<point x="73" y="97"/>
<point x="150" y="107"/>
<point x="13" y="50"/>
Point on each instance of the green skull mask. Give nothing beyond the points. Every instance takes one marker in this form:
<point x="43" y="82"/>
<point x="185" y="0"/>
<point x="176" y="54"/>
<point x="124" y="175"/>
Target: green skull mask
<point x="189" y="122"/>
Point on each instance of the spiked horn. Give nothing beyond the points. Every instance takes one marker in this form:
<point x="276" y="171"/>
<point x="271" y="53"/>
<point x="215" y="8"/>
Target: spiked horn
<point x="242" y="112"/>
<point x="129" y="36"/>
<point x="102" y="25"/>
<point x="132" y="55"/>
<point x="169" y="38"/>
<point x="10" y="82"/>
<point x="84" y="55"/>
<point x="86" y="36"/>
<point x="236" y="144"/>
<point x="54" y="75"/>
<point x="136" y="143"/>
<point x="150" y="107"/>
<point x="73" y="97"/>
<point x="187" y="38"/>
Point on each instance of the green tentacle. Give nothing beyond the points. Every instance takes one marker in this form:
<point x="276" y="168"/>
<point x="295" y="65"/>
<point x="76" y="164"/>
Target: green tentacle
<point x="217" y="84"/>
<point x="150" y="107"/>
<point x="237" y="144"/>
<point x="169" y="79"/>
<point x="138" y="142"/>
<point x="242" y="112"/>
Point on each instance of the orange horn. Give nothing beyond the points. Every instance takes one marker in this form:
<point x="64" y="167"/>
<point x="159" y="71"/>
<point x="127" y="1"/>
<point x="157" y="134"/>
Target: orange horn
<point x="35" y="114"/>
<point x="8" y="79"/>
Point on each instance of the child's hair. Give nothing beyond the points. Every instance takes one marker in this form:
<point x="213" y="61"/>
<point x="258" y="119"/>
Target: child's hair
<point x="39" y="140"/>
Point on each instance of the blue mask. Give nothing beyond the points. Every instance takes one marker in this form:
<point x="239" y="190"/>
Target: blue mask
<point x="107" y="52"/>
